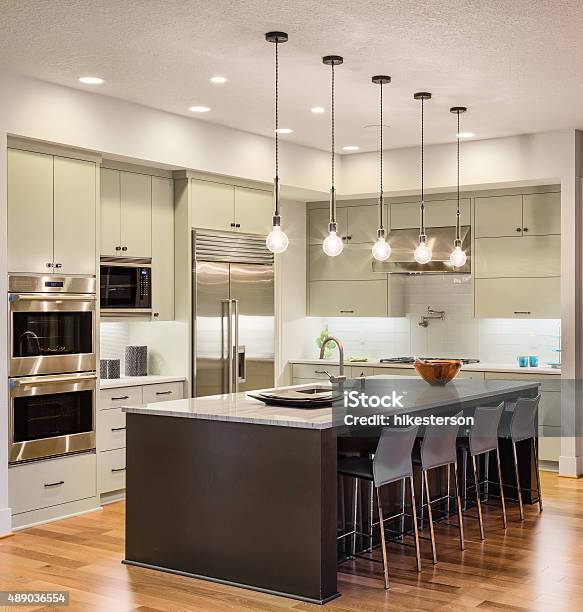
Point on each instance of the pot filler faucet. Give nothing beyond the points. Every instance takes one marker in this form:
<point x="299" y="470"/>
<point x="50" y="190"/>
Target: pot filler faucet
<point x="340" y="378"/>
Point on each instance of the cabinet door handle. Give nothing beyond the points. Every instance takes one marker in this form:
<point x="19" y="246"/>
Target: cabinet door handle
<point x="348" y="237"/>
<point x="518" y="229"/>
<point x="118" y="469"/>
<point x="347" y="312"/>
<point x="121" y="397"/>
<point x="58" y="265"/>
<point x="156" y="314"/>
<point x="525" y="229"/>
<point x="49" y="265"/>
<point x="163" y="392"/>
<point x="48" y="485"/>
<point x="237" y="225"/>
<point x="118" y="248"/>
<point x="124" y="248"/>
<point x="518" y="312"/>
<point x="117" y="428"/>
<point x="232" y="225"/>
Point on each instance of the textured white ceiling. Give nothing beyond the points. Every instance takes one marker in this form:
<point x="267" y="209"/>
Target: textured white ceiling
<point x="515" y="63"/>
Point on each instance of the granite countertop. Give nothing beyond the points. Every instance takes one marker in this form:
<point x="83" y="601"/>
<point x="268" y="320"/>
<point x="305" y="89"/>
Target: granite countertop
<point x="470" y="367"/>
<point x="238" y="407"/>
<point x="133" y="381"/>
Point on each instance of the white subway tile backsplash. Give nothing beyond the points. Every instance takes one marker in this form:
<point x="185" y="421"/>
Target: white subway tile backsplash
<point x="459" y="335"/>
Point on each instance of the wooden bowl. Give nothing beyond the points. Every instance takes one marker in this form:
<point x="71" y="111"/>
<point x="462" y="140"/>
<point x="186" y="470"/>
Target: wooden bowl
<point x="438" y="371"/>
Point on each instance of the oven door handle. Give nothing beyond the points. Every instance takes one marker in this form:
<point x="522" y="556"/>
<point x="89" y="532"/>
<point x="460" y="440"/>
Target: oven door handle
<point x="41" y="380"/>
<point x="52" y="297"/>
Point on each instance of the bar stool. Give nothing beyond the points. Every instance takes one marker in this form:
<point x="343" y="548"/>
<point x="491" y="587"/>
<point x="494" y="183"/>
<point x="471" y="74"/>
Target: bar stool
<point x="438" y="449"/>
<point x="482" y="440"/>
<point x="391" y="463"/>
<point x="523" y="427"/>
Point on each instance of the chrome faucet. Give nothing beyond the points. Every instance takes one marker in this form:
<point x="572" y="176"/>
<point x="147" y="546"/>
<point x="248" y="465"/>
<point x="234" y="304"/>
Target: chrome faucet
<point x="340" y="378"/>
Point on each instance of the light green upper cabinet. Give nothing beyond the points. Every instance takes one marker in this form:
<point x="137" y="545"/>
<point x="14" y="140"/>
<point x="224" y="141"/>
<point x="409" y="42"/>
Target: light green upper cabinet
<point x="541" y="214"/>
<point x="438" y="213"/>
<point x="354" y="263"/>
<point x="30" y="212"/>
<point x="213" y="205"/>
<point x="110" y="212"/>
<point x="136" y="214"/>
<point x="126" y="213"/>
<point x="253" y="211"/>
<point x="74" y="216"/>
<point x="363" y="223"/>
<point x="318" y="221"/>
<point x="162" y="249"/>
<point x="51" y="214"/>
<point x="498" y="216"/>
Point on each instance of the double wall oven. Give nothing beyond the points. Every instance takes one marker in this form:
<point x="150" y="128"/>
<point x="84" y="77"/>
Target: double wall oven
<point x="52" y="336"/>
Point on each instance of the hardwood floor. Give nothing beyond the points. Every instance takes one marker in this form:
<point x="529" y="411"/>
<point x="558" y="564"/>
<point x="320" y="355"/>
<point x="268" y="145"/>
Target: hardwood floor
<point x="535" y="565"/>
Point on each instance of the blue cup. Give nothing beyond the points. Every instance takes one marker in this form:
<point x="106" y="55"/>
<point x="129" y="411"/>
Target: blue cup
<point x="533" y="361"/>
<point x="523" y="361"/>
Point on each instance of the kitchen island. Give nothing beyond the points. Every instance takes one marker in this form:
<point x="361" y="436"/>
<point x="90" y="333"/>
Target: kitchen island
<point x="227" y="489"/>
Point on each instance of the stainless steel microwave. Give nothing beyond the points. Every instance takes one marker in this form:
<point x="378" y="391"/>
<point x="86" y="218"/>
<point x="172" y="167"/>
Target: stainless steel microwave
<point x="125" y="286"/>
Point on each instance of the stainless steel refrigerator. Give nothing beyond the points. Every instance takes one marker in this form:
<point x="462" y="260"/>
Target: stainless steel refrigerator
<point x="233" y="313"/>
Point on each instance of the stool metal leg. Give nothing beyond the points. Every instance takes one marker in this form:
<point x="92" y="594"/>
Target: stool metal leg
<point x="428" y="496"/>
<point x="383" y="543"/>
<point x="371" y="516"/>
<point x="448" y="505"/>
<point x="459" y="507"/>
<point x="478" y="502"/>
<point x="465" y="479"/>
<point x="486" y="475"/>
<point x="355" y="516"/>
<point x="540" y="497"/>
<point x="415" y="528"/>
<point x="403" y="485"/>
<point x="501" y="488"/>
<point x="517" y="481"/>
<point x="421" y="502"/>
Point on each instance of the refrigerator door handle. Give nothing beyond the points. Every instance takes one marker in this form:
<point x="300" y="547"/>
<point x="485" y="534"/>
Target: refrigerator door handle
<point x="235" y="345"/>
<point x="230" y="377"/>
<point x="242" y="369"/>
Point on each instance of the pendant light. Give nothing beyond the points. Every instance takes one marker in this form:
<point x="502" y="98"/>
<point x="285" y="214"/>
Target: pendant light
<point x="381" y="249"/>
<point x="277" y="241"/>
<point x="423" y="253"/>
<point x="333" y="244"/>
<point x="458" y="256"/>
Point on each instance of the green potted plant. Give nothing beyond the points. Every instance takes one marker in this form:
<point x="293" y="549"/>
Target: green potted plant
<point x="330" y="347"/>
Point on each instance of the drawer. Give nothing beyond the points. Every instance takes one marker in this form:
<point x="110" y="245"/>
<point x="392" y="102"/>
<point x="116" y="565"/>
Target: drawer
<point x="471" y="375"/>
<point x="123" y="396"/>
<point x="111" y="429"/>
<point x="358" y="371"/>
<point x="316" y="372"/>
<point x="305" y="381"/>
<point x="43" y="484"/>
<point x="389" y="371"/>
<point x="112" y="470"/>
<point x="548" y="382"/>
<point x="549" y="443"/>
<point x="162" y="392"/>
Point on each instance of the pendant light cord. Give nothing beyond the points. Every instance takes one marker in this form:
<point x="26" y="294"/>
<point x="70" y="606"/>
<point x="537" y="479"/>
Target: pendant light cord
<point x="276" y="128"/>
<point x="422" y="168"/>
<point x="458" y="180"/>
<point x="381" y="212"/>
<point x="332" y="150"/>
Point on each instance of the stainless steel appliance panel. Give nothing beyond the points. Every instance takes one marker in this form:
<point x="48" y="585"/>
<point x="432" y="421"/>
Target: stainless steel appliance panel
<point x="211" y="303"/>
<point x="51" y="333"/>
<point x="252" y="288"/>
<point x="51" y="415"/>
<point x="125" y="286"/>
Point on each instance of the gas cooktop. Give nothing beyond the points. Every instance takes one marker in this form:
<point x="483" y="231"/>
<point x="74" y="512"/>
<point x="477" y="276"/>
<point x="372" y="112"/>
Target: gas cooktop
<point x="411" y="360"/>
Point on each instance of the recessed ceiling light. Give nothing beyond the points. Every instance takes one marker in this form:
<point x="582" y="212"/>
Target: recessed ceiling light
<point x="318" y="109"/>
<point x="91" y="80"/>
<point x="351" y="148"/>
<point x="199" y="109"/>
<point x="219" y="80"/>
<point x="284" y="131"/>
<point x="466" y="135"/>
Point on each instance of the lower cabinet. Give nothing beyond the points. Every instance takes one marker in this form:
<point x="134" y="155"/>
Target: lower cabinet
<point x="52" y="482"/>
<point x="111" y="428"/>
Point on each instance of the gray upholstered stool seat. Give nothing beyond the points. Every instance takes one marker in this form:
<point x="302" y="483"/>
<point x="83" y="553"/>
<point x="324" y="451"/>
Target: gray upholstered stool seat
<point x="356" y="467"/>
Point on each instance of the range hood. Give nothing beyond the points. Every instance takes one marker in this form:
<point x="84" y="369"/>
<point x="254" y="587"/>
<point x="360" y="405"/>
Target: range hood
<point x="440" y="239"/>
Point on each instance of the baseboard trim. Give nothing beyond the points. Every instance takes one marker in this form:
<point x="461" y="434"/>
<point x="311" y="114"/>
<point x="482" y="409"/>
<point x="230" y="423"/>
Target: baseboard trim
<point x="34" y="518"/>
<point x="231" y="583"/>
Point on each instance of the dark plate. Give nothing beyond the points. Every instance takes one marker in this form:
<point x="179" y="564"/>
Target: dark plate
<point x="307" y="403"/>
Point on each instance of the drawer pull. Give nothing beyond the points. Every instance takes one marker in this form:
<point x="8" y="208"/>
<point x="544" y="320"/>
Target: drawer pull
<point x="117" y="428"/>
<point x="347" y="311"/>
<point x="118" y="469"/>
<point x="121" y="397"/>
<point x="320" y="372"/>
<point x="54" y="484"/>
<point x="524" y="312"/>
<point x="163" y="392"/>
